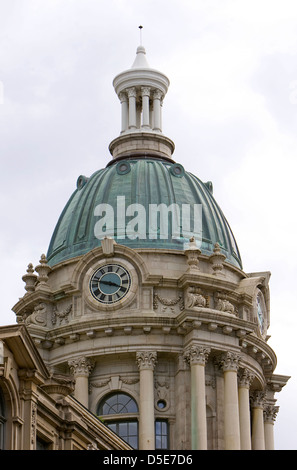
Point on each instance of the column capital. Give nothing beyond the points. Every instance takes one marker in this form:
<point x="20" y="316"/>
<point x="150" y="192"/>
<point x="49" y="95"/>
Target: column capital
<point x="229" y="361"/>
<point x="158" y="95"/>
<point x="258" y="398"/>
<point x="245" y="378"/>
<point x="81" y="366"/>
<point x="270" y="412"/>
<point x="196" y="354"/>
<point x="146" y="360"/>
<point x="131" y="92"/>
<point x="145" y="91"/>
<point x="123" y="96"/>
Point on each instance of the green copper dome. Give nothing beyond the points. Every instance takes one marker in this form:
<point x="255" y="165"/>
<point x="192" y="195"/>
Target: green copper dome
<point x="106" y="201"/>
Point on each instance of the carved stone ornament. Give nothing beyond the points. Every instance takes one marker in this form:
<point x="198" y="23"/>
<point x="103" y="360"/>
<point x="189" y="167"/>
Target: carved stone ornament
<point x="192" y="254"/>
<point x="81" y="366"/>
<point x="63" y="316"/>
<point x="146" y="359"/>
<point x="270" y="413"/>
<point x="168" y="303"/>
<point x="43" y="270"/>
<point x="194" y="298"/>
<point x="223" y="305"/>
<point x="30" y="279"/>
<point x="197" y="355"/>
<point x="38" y="316"/>
<point x="245" y="378"/>
<point x="217" y="259"/>
<point x="258" y="398"/>
<point x="228" y="361"/>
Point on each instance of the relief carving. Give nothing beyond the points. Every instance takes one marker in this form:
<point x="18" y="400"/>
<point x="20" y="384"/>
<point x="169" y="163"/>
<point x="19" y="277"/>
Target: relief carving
<point x="61" y="317"/>
<point x="168" y="304"/>
<point x="195" y="299"/>
<point x="38" y="316"/>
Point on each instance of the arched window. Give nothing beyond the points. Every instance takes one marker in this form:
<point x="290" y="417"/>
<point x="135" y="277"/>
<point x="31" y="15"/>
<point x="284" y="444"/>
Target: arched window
<point x="120" y="413"/>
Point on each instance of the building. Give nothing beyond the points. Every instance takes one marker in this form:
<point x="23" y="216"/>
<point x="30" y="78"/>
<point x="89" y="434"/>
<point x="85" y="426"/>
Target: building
<point x="142" y="306"/>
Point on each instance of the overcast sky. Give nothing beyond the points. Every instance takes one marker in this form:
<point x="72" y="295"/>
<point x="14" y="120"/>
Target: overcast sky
<point x="231" y="110"/>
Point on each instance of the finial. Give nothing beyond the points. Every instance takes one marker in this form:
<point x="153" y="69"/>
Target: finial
<point x="140" y="33"/>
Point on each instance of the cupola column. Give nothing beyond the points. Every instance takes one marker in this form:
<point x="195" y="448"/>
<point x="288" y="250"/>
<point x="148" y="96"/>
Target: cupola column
<point x="245" y="380"/>
<point x="81" y="369"/>
<point x="197" y="357"/>
<point x="230" y="363"/>
<point x="146" y="361"/>
<point x="145" y="91"/>
<point x="132" y="107"/>
<point x="157" y="110"/>
<point x="125" y="111"/>
<point x="257" y="403"/>
<point x="270" y="413"/>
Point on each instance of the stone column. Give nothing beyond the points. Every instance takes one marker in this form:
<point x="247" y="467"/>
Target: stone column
<point x="230" y="363"/>
<point x="132" y="107"/>
<point x="257" y="403"/>
<point x="125" y="111"/>
<point x="146" y="361"/>
<point x="157" y="110"/>
<point x="197" y="357"/>
<point x="145" y="91"/>
<point x="81" y="369"/>
<point x="245" y="380"/>
<point x="270" y="413"/>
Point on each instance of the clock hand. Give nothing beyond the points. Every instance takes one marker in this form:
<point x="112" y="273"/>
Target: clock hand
<point x="109" y="283"/>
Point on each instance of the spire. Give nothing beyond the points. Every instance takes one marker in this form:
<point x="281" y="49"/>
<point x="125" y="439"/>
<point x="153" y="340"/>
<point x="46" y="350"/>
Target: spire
<point x="141" y="91"/>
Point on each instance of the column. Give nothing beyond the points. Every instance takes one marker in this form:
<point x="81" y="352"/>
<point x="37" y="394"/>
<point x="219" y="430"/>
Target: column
<point x="145" y="91"/>
<point x="146" y="361"/>
<point x="81" y="369"/>
<point x="157" y="110"/>
<point x="125" y="110"/>
<point x="270" y="413"/>
<point x="257" y="403"/>
<point x="230" y="363"/>
<point x="245" y="380"/>
<point x="197" y="357"/>
<point x="132" y="107"/>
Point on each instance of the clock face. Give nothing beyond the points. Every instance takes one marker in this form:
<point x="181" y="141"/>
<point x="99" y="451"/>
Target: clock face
<point x="110" y="283"/>
<point x="260" y="314"/>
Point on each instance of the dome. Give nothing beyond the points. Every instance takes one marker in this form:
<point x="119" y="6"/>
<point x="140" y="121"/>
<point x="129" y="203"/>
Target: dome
<point x="112" y="201"/>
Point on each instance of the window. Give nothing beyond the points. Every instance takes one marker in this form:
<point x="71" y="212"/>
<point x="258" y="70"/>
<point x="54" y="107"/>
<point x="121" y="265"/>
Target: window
<point x="115" y="405"/>
<point x="161" y="431"/>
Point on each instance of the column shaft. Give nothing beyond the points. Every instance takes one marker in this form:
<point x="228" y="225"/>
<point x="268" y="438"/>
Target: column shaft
<point x="244" y="418"/>
<point x="257" y="403"/>
<point x="146" y="362"/>
<point x="197" y="356"/>
<point x="132" y="108"/>
<point x="198" y="407"/>
<point x="157" y="111"/>
<point x="230" y="362"/>
<point x="125" y="110"/>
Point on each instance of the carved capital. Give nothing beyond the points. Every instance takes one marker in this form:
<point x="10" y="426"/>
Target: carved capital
<point x="146" y="359"/>
<point x="81" y="366"/>
<point x="197" y="355"/>
<point x="258" y="399"/>
<point x="131" y="92"/>
<point x="229" y="361"/>
<point x="245" y="378"/>
<point x="270" y="413"/>
<point x="145" y="91"/>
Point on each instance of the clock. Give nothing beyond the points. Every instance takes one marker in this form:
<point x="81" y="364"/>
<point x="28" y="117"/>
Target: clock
<point x="110" y="283"/>
<point x="260" y="314"/>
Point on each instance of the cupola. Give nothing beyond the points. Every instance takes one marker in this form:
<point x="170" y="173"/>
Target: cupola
<point x="141" y="91"/>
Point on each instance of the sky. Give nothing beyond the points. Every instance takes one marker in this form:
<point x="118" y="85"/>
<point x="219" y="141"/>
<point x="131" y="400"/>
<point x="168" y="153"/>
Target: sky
<point x="231" y="110"/>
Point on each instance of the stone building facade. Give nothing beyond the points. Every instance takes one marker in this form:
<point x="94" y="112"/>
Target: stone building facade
<point x="155" y="321"/>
